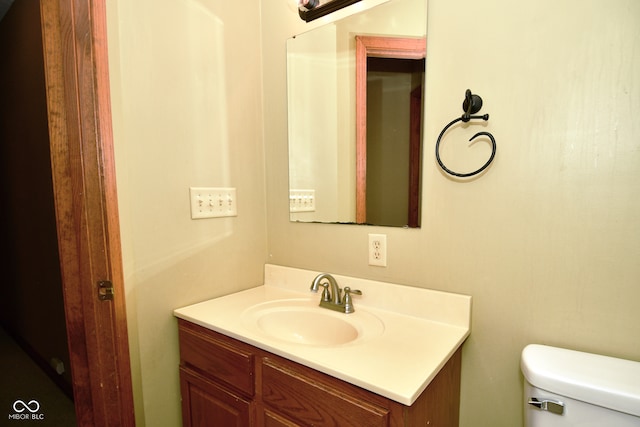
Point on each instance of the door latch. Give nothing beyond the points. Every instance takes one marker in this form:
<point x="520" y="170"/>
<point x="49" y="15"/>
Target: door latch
<point x="105" y="290"/>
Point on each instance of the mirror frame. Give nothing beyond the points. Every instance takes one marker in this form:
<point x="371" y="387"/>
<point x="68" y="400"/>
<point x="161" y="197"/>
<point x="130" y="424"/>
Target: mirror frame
<point x="383" y="47"/>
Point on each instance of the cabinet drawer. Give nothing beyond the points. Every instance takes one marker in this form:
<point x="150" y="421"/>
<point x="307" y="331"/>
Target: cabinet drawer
<point x="310" y="401"/>
<point x="274" y="420"/>
<point x="218" y="357"/>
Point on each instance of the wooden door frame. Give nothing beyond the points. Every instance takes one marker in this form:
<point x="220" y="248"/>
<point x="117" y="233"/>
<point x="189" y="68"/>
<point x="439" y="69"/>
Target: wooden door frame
<point x="378" y="47"/>
<point x="415" y="155"/>
<point x="79" y="111"/>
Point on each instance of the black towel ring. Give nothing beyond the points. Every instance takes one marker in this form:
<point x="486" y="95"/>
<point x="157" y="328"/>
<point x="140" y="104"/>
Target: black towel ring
<point x="472" y="104"/>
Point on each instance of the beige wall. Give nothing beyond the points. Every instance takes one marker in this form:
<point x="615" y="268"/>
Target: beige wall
<point x="187" y="111"/>
<point x="546" y="241"/>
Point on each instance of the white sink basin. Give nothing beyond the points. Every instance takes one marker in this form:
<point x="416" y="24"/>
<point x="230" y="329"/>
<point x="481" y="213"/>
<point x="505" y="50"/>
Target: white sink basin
<point x="414" y="330"/>
<point x="302" y="321"/>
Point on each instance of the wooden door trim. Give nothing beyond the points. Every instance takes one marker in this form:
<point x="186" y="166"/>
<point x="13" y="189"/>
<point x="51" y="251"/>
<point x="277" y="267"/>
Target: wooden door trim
<point x="415" y="155"/>
<point x="77" y="84"/>
<point x="379" y="47"/>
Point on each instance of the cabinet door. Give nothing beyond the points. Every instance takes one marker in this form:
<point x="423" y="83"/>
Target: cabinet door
<point x="205" y="404"/>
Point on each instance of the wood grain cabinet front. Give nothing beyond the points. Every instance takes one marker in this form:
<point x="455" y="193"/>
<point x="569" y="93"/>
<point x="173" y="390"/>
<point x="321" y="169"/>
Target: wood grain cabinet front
<point x="225" y="382"/>
<point x="304" y="398"/>
<point x="206" y="403"/>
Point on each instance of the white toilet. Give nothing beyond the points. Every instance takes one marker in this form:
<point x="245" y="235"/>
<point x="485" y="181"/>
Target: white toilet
<point x="567" y="388"/>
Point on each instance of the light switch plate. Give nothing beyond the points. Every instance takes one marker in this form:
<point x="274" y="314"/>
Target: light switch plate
<point x="302" y="200"/>
<point x="212" y="202"/>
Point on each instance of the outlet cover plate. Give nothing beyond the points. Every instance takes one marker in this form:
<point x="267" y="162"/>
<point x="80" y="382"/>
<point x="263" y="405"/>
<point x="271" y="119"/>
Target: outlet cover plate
<point x="378" y="250"/>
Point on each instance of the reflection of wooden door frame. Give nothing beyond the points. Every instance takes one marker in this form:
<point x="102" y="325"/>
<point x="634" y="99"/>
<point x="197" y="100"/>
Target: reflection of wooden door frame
<point x="380" y="47"/>
<point x="415" y="153"/>
<point x="79" y="111"/>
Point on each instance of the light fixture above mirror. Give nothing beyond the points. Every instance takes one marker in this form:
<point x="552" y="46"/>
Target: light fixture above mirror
<point x="314" y="9"/>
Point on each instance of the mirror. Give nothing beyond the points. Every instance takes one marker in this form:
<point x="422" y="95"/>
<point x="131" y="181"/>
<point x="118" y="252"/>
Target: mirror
<point x="332" y="153"/>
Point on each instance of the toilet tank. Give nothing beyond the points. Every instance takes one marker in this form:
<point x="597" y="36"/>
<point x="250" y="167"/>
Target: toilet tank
<point x="571" y="388"/>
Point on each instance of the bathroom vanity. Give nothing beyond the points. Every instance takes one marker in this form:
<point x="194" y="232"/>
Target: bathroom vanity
<point x="255" y="358"/>
<point x="226" y="382"/>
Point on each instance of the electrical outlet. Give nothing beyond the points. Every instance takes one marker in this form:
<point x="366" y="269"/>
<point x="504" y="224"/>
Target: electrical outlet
<point x="378" y="250"/>
<point x="212" y="202"/>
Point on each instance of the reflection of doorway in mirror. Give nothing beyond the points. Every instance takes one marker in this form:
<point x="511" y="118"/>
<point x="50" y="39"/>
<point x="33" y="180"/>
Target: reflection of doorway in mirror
<point x="389" y="81"/>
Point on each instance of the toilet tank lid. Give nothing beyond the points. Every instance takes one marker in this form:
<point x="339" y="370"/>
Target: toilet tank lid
<point x="599" y="380"/>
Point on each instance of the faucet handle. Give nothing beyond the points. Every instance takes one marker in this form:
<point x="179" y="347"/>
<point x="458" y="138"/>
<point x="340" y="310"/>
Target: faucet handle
<point x="348" y="304"/>
<point x="326" y="296"/>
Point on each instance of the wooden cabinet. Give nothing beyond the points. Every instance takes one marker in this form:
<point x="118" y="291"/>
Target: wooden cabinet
<point x="225" y="382"/>
<point x="205" y="403"/>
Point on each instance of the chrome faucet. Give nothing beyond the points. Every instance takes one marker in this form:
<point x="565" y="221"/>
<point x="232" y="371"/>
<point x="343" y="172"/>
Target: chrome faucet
<point x="332" y="294"/>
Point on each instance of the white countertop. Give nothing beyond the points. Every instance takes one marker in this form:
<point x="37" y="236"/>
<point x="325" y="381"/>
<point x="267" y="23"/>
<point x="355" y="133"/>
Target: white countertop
<point x="422" y="330"/>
